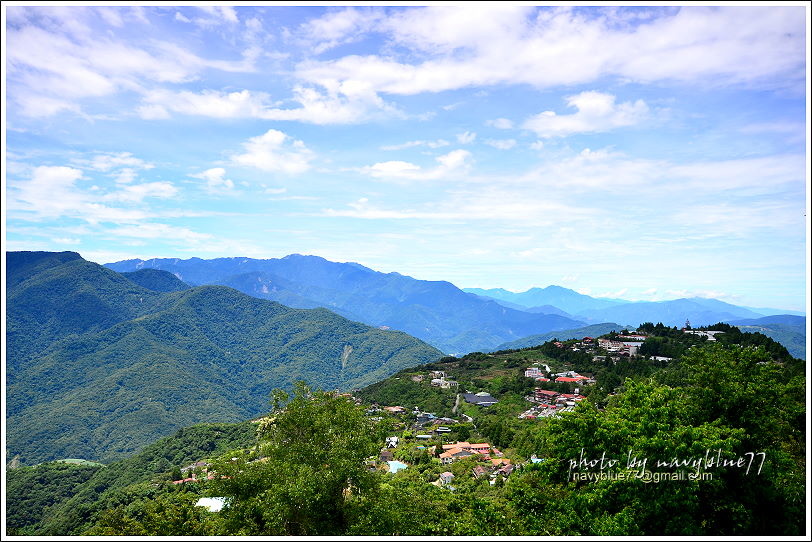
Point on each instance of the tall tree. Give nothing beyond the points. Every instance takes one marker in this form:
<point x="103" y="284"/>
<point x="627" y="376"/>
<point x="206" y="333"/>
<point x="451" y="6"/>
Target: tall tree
<point x="311" y="467"/>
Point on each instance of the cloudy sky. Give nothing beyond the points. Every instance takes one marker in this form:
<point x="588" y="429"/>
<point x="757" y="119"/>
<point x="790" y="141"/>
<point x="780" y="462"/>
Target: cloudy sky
<point x="643" y="153"/>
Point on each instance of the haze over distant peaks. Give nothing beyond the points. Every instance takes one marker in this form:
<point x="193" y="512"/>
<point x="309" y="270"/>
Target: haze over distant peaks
<point x="434" y="311"/>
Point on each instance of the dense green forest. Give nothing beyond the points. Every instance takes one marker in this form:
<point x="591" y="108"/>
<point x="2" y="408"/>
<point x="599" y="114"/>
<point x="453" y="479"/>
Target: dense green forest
<point x="99" y="366"/>
<point x="720" y="430"/>
<point x="56" y="498"/>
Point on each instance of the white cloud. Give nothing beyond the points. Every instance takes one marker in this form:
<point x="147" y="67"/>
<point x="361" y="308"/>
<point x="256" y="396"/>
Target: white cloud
<point x="501" y="124"/>
<point x="51" y="192"/>
<point x="607" y="170"/>
<point x="136" y="193"/>
<point x="275" y="151"/>
<point x="339" y="27"/>
<point x="52" y="67"/>
<point x="466" y="137"/>
<point x="180" y="17"/>
<point x="705" y="294"/>
<point x="151" y="230"/>
<point x="501" y="144"/>
<point x="208" y="103"/>
<point x="363" y="209"/>
<point x="112" y="160"/>
<point x="126" y="175"/>
<point x="537" y="145"/>
<point x="66" y="240"/>
<point x="111" y="15"/>
<point x="449" y="164"/>
<point x="597" y="112"/>
<point x="483" y="205"/>
<point x="760" y="173"/>
<point x="618" y="294"/>
<point x="458" y="48"/>
<point x="221" y="13"/>
<point x="216" y="183"/>
<point x="599" y="169"/>
<point x="314" y="107"/>
<point x="436" y="144"/>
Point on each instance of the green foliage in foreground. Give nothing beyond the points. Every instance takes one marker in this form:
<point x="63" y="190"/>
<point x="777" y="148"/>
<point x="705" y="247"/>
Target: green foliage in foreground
<point x="308" y="475"/>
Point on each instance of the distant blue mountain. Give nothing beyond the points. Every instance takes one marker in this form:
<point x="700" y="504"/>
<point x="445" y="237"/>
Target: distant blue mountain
<point x="775" y="312"/>
<point x="698" y="311"/>
<point x="564" y="299"/>
<point x="544" y="309"/>
<point x="435" y="311"/>
<point x="787" y="319"/>
<point x="787" y="329"/>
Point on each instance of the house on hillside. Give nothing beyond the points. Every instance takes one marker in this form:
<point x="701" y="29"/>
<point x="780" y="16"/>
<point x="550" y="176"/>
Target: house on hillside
<point x="453" y="454"/>
<point x="533" y="372"/>
<point x="570" y="378"/>
<point x="482" y="398"/>
<point x="545" y="396"/>
<point x="481" y="447"/>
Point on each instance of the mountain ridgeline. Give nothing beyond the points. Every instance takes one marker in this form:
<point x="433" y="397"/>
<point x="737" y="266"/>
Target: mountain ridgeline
<point x="453" y="320"/>
<point x="101" y="363"/>
<point x="434" y="311"/>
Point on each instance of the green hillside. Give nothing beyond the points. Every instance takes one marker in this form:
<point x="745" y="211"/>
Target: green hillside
<point x="121" y="365"/>
<point x="157" y="281"/>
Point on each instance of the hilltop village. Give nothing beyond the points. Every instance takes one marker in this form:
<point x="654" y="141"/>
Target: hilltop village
<point x="447" y="421"/>
<point x="445" y="442"/>
<point x="451" y="422"/>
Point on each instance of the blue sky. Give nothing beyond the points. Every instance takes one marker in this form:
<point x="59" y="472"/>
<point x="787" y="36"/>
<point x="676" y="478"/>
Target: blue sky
<point x="642" y="153"/>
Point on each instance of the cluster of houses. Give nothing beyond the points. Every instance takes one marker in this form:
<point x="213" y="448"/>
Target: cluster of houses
<point x="438" y="378"/>
<point x="490" y="461"/>
<point x="621" y="346"/>
<point x="567" y="376"/>
<point x="548" y="403"/>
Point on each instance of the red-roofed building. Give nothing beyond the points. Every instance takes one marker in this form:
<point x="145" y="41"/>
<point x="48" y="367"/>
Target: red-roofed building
<point x="573" y="378"/>
<point x="545" y="396"/>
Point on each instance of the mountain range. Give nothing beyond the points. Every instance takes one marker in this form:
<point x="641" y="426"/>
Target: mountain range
<point x="434" y="311"/>
<point x="100" y="363"/>
<point x="451" y="319"/>
<point x="103" y="359"/>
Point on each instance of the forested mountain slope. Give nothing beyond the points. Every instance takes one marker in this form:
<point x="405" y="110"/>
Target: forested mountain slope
<point x="99" y="366"/>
